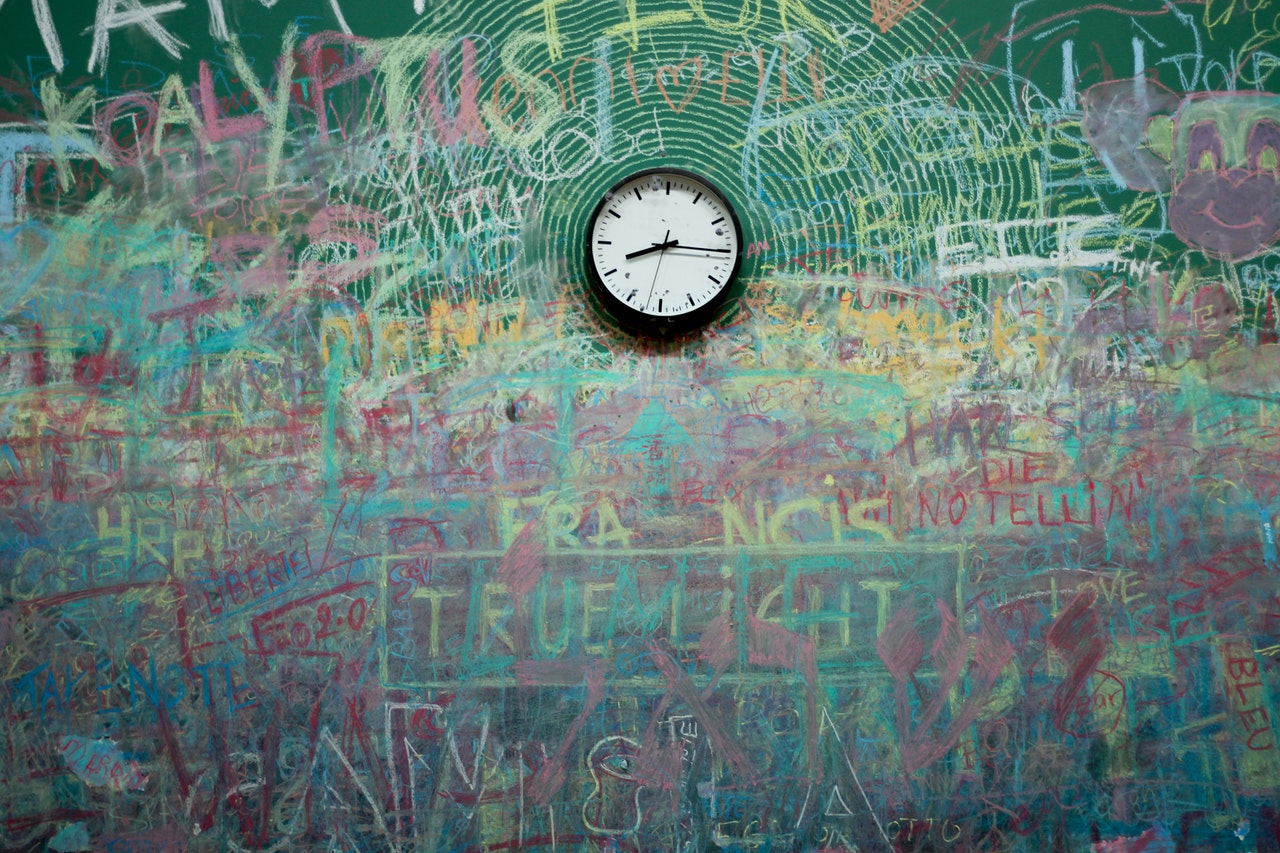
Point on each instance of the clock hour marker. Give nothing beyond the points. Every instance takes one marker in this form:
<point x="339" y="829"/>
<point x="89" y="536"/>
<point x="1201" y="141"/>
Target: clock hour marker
<point x="612" y="271"/>
<point x="604" y="242"/>
<point x="659" y="306"/>
<point x="691" y="302"/>
<point x="615" y="214"/>
<point x="717" y="221"/>
<point x="696" y="197"/>
<point x="668" y="188"/>
<point x="631" y="297"/>
<point x="714" y="280"/>
<point x="638" y="196"/>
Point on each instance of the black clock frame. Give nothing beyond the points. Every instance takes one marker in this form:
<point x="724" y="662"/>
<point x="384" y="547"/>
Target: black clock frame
<point x="636" y="321"/>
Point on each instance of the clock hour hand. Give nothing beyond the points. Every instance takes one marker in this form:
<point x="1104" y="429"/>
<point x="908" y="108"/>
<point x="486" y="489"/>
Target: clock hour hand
<point x="656" y="247"/>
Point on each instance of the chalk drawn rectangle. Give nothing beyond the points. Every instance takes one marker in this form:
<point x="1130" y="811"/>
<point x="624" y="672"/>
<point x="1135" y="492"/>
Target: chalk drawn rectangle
<point x="451" y="619"/>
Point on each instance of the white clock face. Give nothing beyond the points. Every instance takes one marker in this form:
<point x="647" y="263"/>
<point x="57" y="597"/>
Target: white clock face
<point x="663" y="245"/>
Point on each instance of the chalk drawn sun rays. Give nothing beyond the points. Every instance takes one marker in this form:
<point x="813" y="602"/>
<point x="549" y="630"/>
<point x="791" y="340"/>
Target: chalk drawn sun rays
<point x="484" y="155"/>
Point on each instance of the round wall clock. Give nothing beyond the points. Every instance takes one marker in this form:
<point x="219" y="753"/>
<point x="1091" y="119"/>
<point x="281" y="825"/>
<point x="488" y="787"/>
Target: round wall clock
<point x="663" y="248"/>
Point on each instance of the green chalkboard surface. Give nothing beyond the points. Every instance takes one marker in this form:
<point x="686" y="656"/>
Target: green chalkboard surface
<point x="335" y="513"/>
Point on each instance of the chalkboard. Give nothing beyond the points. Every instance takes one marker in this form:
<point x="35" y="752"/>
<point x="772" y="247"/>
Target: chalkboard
<point x="337" y="515"/>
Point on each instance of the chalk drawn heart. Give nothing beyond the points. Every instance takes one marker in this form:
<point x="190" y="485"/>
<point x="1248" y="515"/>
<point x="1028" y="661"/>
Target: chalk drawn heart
<point x="673" y="73"/>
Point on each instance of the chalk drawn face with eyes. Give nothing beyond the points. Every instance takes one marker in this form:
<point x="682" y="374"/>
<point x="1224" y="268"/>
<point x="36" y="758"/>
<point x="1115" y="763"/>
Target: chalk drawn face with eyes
<point x="612" y="808"/>
<point x="1216" y="153"/>
<point x="1226" y="189"/>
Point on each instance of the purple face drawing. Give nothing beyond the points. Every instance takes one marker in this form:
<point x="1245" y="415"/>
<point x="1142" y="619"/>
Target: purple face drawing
<point x="1225" y="198"/>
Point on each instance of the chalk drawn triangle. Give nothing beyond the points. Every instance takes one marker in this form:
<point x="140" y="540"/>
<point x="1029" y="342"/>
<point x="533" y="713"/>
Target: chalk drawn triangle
<point x="836" y="806"/>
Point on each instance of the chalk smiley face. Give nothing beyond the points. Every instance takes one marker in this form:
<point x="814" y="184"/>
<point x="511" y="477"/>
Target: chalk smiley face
<point x="1220" y="153"/>
<point x="1227" y="200"/>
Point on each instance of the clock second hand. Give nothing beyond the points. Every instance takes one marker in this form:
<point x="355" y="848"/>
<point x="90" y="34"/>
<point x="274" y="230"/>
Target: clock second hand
<point x="658" y="247"/>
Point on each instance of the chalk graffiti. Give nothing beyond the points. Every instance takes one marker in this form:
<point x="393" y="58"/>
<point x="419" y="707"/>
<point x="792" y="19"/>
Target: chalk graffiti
<point x="332" y="515"/>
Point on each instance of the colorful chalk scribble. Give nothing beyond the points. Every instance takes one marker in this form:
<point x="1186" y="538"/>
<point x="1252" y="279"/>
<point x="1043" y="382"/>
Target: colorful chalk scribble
<point x="334" y="516"/>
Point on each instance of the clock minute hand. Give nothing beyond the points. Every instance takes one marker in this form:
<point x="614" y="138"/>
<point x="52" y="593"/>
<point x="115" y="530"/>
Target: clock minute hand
<point x="698" y="248"/>
<point x="656" y="247"/>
